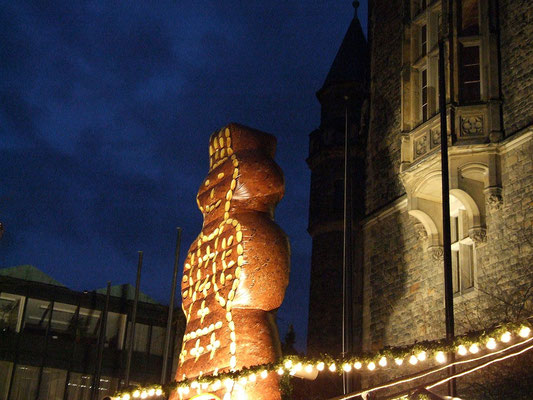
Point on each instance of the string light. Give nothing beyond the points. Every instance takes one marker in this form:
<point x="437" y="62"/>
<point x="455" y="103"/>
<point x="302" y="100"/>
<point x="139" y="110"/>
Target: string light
<point x="506" y="337"/>
<point x="462" y="345"/>
<point x="440" y="357"/>
<point x="524" y="332"/>
<point x="474" y="349"/>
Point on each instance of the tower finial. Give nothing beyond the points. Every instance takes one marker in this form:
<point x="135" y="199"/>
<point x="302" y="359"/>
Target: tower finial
<point x="355" y="5"/>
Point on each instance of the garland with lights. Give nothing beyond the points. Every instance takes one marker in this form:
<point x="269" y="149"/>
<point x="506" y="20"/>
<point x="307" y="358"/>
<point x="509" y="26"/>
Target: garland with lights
<point x="471" y="343"/>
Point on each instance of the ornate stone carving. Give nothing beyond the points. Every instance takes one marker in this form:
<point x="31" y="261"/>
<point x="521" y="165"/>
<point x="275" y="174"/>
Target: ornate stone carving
<point x="421" y="232"/>
<point x="435" y="138"/>
<point x="421" y="146"/>
<point x="237" y="270"/>
<point x="471" y="125"/>
<point x="494" y="198"/>
<point x="436" y="253"/>
<point x="478" y="235"/>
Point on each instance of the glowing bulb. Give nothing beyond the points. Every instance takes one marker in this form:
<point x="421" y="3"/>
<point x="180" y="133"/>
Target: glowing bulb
<point x="462" y="350"/>
<point x="506" y="337"/>
<point x="383" y="362"/>
<point x="357" y="365"/>
<point x="186" y="390"/>
<point x="136" y="394"/>
<point x="413" y="360"/>
<point x="151" y="392"/>
<point x="288" y="364"/>
<point x="308" y="368"/>
<point x="227" y="396"/>
<point x="320" y="366"/>
<point x="346" y="367"/>
<point x="281" y="371"/>
<point x="371" y="366"/>
<point x="126" y="396"/>
<point x="491" y="344"/>
<point x="264" y="374"/>
<point x="243" y="381"/>
<point x="158" y="392"/>
<point x="332" y="367"/>
<point x="217" y="385"/>
<point x="399" y="361"/>
<point x="440" y="357"/>
<point x="474" y="349"/>
<point x="144" y="395"/>
<point x="195" y="384"/>
<point x="524" y="332"/>
<point x="228" y="383"/>
<point x="252" y="378"/>
<point x="421" y="356"/>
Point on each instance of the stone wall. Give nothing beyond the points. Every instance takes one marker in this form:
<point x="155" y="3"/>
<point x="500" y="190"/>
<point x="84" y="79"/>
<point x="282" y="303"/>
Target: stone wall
<point x="383" y="149"/>
<point x="516" y="39"/>
<point x="404" y="286"/>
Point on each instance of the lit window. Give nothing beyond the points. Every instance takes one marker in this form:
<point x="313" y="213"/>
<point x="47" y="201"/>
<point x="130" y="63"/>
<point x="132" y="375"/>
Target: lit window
<point x="462" y="253"/>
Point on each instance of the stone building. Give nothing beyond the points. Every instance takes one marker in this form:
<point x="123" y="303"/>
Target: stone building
<point x="393" y="124"/>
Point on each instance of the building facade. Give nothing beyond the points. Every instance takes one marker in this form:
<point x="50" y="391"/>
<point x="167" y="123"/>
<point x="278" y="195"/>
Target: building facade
<point x="49" y="338"/>
<point x="397" y="217"/>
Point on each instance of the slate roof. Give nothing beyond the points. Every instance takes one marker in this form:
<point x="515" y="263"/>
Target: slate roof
<point x="351" y="62"/>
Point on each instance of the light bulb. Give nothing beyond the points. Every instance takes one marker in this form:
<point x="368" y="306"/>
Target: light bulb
<point x="151" y="392"/>
<point x="144" y="395"/>
<point x="288" y="364"/>
<point x="252" y="378"/>
<point x="281" y="371"/>
<point x="491" y="344"/>
<point x="346" y="367"/>
<point x="264" y="374"/>
<point x="413" y="360"/>
<point x="371" y="366"/>
<point x="158" y="392"/>
<point x="126" y="396"/>
<point x="217" y="385"/>
<point x="440" y="357"/>
<point x="506" y="337"/>
<point x="524" y="332"/>
<point x="421" y="356"/>
<point x="474" y="348"/>
<point x="136" y="394"/>
<point x="462" y="350"/>
<point x="357" y="365"/>
<point x="332" y="367"/>
<point x="398" y="361"/>
<point x="308" y="368"/>
<point x="382" y="362"/>
<point x="320" y="366"/>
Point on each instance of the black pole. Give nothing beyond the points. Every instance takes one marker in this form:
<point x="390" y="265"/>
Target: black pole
<point x="171" y="309"/>
<point x="446" y="232"/>
<point x="101" y="343"/>
<point x="131" y="340"/>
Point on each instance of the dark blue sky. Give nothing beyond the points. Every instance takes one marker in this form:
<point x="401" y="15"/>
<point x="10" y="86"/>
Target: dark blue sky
<point x="106" y="108"/>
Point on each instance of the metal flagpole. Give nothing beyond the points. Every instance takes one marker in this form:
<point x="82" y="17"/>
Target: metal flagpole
<point x="446" y="231"/>
<point x="101" y="343"/>
<point x="171" y="309"/>
<point x="131" y="340"/>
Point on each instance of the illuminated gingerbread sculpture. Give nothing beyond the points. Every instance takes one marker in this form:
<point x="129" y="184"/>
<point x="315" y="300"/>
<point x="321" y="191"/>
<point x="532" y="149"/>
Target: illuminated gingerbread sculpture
<point x="236" y="271"/>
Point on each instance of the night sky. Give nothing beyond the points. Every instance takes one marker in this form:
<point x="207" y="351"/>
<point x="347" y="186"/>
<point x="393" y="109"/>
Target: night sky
<point x="106" y="108"/>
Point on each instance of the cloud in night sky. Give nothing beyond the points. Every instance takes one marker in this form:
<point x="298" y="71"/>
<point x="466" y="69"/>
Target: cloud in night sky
<point x="105" y="113"/>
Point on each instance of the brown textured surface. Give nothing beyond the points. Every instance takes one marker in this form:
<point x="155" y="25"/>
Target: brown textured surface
<point x="237" y="269"/>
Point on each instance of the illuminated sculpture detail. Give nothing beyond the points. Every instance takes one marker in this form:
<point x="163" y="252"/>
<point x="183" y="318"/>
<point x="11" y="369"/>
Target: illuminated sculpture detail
<point x="237" y="269"/>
